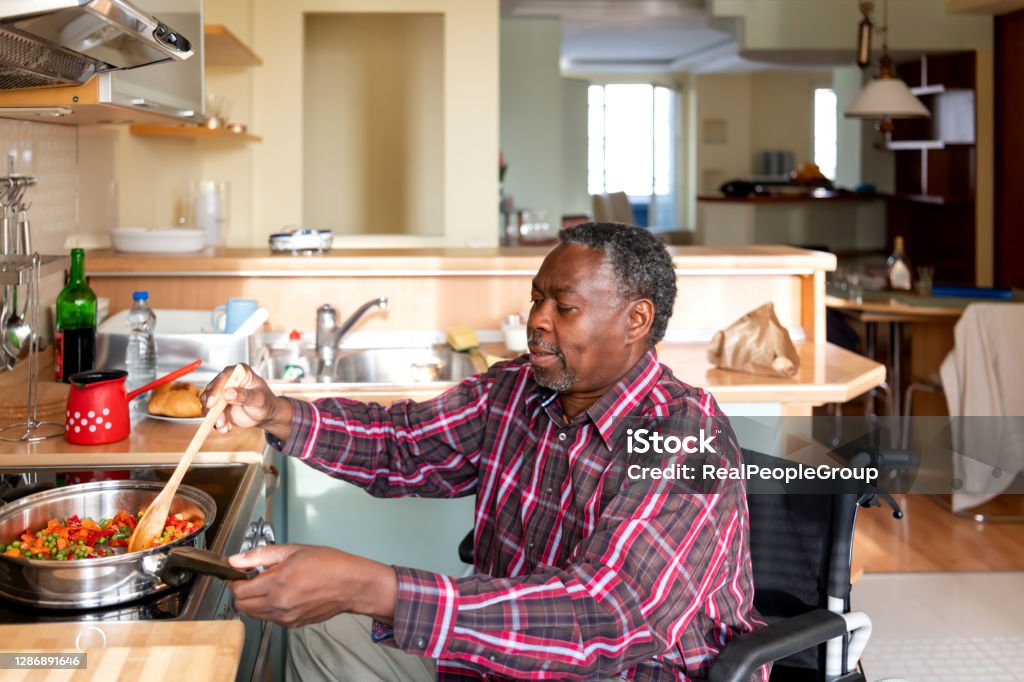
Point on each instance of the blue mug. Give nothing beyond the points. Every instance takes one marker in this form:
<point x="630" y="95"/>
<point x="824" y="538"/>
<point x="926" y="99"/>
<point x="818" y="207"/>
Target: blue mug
<point x="228" y="317"/>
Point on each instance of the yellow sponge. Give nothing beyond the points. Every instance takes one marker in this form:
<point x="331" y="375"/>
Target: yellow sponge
<point x="461" y="338"/>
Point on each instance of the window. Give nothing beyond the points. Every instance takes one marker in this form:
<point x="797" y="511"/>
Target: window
<point x="631" y="148"/>
<point x="825" y="122"/>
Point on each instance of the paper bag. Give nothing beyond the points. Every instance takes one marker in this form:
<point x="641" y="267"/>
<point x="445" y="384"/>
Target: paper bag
<point x="756" y="343"/>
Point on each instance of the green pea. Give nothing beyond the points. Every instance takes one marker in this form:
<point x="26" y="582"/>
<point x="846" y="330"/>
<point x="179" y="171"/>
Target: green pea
<point x="16" y="544"/>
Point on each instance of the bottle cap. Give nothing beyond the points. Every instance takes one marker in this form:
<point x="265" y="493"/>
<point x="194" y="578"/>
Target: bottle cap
<point x="140" y="296"/>
<point x="295" y="335"/>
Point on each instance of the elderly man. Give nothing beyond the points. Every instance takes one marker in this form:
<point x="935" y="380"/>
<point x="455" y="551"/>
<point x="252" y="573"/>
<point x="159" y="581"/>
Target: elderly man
<point x="580" y="572"/>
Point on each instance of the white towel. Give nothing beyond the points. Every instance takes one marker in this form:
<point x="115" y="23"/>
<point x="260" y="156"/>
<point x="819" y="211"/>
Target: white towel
<point x="983" y="376"/>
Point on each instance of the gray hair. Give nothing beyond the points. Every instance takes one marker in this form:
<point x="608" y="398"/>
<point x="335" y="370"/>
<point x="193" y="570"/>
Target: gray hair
<point x="641" y="264"/>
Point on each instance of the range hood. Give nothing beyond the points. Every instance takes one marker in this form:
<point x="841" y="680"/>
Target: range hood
<point x="67" y="42"/>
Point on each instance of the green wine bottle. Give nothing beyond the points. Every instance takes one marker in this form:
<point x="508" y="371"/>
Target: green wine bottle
<point x="74" y="349"/>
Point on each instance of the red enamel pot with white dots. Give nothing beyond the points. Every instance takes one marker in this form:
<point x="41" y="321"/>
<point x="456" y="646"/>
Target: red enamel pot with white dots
<point x="97" y="409"/>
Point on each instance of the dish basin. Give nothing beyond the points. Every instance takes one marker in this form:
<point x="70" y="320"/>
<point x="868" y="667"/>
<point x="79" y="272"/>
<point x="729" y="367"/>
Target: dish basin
<point x="398" y="366"/>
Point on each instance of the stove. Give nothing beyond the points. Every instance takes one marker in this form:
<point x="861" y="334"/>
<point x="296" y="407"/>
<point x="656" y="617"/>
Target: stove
<point x="239" y="491"/>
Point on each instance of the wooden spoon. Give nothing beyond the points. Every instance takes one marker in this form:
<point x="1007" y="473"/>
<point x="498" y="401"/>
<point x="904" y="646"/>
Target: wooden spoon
<point x="152" y="523"/>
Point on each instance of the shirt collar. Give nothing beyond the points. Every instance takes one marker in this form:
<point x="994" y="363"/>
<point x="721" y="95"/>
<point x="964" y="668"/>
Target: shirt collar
<point x="619" y="401"/>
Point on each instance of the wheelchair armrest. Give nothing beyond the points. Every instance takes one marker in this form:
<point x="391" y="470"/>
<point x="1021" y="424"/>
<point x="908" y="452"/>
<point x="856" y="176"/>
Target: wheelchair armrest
<point x="743" y="655"/>
<point x="466" y="549"/>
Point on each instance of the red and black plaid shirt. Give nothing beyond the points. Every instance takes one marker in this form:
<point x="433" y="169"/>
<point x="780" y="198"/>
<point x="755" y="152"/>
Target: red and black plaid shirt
<point x="581" y="573"/>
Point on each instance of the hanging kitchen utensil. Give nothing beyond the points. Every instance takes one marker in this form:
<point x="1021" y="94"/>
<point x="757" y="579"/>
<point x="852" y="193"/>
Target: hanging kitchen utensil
<point x="152" y="522"/>
<point x="97" y="409"/>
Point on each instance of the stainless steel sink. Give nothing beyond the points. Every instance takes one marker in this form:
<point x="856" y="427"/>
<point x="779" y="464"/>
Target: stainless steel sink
<point x="398" y="366"/>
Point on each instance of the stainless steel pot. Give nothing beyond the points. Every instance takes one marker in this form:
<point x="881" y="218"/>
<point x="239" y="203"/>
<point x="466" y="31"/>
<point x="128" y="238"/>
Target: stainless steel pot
<point x="110" y="580"/>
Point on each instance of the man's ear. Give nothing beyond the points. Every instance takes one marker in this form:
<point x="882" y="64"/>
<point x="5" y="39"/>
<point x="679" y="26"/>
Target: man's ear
<point x="641" y="317"/>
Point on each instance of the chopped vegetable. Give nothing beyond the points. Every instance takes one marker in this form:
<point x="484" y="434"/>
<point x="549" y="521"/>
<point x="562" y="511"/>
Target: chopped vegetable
<point x="75" y="538"/>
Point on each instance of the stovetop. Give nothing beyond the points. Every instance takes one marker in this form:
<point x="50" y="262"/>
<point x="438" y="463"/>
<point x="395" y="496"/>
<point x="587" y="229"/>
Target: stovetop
<point x="234" y="488"/>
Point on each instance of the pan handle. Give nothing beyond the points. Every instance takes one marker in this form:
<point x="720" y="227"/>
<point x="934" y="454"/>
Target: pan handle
<point x="181" y="562"/>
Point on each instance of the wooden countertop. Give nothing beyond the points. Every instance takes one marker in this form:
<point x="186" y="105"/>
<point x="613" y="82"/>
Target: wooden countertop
<point x="792" y="198"/>
<point x="145" y="650"/>
<point x="223" y="262"/>
<point x="827" y="374"/>
<point x="151" y="442"/>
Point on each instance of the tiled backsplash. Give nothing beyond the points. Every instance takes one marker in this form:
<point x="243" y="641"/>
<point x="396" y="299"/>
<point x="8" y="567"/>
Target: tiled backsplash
<point x="49" y="152"/>
<point x="65" y="162"/>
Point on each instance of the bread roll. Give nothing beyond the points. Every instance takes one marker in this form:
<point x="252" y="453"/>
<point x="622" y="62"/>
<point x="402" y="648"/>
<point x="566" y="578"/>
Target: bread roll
<point x="180" y="399"/>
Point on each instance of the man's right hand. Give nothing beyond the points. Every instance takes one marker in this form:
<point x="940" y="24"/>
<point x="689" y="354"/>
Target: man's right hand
<point x="249" y="404"/>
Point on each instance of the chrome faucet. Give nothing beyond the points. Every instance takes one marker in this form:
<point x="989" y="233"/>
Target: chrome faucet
<point x="329" y="333"/>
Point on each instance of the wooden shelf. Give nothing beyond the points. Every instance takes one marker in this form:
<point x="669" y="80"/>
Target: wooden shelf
<point x="223" y="48"/>
<point x="193" y="132"/>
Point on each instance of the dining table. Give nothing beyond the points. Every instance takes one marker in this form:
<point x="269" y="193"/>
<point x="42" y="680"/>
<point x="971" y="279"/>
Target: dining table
<point x="933" y="316"/>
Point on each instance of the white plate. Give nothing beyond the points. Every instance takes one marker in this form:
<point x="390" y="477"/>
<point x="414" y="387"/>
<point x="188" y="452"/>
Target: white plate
<point x="179" y="420"/>
<point x="158" y="240"/>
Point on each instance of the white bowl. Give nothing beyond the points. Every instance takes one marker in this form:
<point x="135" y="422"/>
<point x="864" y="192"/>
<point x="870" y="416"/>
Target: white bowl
<point x="158" y="240"/>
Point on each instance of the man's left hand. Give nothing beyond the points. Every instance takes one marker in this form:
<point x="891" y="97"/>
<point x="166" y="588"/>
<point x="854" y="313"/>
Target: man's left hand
<point x="304" y="584"/>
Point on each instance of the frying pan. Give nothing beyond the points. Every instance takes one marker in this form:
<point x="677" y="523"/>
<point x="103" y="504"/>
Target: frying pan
<point x="104" y="581"/>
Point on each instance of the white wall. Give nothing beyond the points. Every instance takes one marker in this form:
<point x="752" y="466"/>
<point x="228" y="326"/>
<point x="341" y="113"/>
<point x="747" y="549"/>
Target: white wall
<point x="531" y="114"/>
<point x="575" y="198"/>
<point x="724" y="135"/>
<point x="783" y="112"/>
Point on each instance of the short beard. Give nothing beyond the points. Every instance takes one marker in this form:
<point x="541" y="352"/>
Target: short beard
<point x="564" y="379"/>
<point x="560" y="384"/>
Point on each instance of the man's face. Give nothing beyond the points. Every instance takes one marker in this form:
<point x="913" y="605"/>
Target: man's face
<point x="578" y="324"/>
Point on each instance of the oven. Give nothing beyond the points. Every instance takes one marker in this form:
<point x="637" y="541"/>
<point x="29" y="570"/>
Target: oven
<point x="242" y="521"/>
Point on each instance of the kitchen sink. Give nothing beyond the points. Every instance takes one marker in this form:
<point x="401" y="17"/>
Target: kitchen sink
<point x="397" y="366"/>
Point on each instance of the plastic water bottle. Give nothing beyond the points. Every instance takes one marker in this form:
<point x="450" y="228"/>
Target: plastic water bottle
<point x="140" y="357"/>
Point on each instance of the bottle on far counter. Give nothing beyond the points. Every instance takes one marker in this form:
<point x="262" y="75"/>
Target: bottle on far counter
<point x="897" y="268"/>
<point x="140" y="355"/>
<point x="74" y="348"/>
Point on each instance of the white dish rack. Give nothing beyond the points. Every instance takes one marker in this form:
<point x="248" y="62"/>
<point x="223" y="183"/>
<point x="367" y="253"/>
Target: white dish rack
<point x="183" y="336"/>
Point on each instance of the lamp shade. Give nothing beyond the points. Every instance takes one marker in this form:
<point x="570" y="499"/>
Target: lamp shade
<point x="886" y="97"/>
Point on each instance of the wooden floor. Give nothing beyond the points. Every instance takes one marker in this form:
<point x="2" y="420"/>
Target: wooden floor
<point x="930" y="538"/>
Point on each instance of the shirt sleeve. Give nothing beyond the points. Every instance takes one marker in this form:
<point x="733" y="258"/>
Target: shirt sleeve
<point x="426" y="449"/>
<point x="627" y="596"/>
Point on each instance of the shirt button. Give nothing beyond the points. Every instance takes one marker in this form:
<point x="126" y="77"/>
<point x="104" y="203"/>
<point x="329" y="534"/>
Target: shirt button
<point x="530" y="545"/>
<point x="561" y="436"/>
<point x="492" y="658"/>
<point x="421" y="643"/>
<point x="551" y="491"/>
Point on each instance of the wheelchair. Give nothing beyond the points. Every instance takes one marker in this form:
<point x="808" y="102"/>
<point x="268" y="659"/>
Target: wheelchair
<point x="800" y="546"/>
